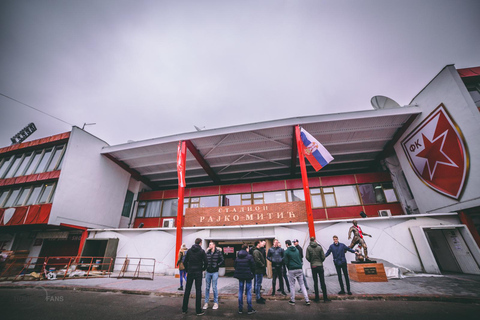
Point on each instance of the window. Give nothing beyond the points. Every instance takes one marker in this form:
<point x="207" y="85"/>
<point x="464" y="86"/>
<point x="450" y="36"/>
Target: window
<point x="231" y="200"/>
<point x="23" y="165"/>
<point x="47" y="193"/>
<point x="127" y="204"/>
<point x="346" y="196"/>
<point x="3" y="195"/>
<point x="12" y="197"/>
<point x="246" y="199"/>
<point x="22" y="196"/>
<point x="329" y="197"/>
<point x="274" y="197"/>
<point x="55" y="158"/>
<point x="194" y="202"/>
<point x="316" y="196"/>
<point x="372" y="193"/>
<point x="153" y="209"/>
<point x="34" y="163"/>
<point x="208" y="202"/>
<point x="44" y="161"/>
<point x="13" y="167"/>
<point x="5" y="165"/>
<point x="33" y="195"/>
<point x="170" y="208"/>
<point x="186" y="201"/>
<point x="296" y="195"/>
<point x="258" y="198"/>
<point x="389" y="192"/>
<point x="141" y="209"/>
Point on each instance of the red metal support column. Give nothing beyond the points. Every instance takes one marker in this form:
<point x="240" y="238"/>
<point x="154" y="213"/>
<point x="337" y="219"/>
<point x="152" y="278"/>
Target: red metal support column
<point x="82" y="239"/>
<point x="181" y="162"/>
<point x="306" y="189"/>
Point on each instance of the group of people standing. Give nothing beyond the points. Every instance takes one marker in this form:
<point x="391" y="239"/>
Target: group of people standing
<point x="251" y="264"/>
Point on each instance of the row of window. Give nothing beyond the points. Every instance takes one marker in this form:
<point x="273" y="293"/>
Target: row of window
<point x="25" y="196"/>
<point x="45" y="160"/>
<point x="351" y="195"/>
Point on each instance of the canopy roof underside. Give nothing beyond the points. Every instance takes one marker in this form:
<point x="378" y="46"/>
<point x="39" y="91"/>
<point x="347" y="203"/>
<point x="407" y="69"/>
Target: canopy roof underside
<point x="266" y="150"/>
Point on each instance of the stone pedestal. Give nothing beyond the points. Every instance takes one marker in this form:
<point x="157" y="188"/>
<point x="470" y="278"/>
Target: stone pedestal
<point x="367" y="272"/>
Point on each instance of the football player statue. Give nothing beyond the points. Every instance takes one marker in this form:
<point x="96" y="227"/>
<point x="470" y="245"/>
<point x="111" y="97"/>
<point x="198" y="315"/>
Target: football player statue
<point x="358" y="238"/>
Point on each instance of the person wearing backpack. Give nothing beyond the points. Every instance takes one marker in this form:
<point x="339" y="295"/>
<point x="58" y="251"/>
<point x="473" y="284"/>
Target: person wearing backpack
<point x="181" y="267"/>
<point x="316" y="256"/>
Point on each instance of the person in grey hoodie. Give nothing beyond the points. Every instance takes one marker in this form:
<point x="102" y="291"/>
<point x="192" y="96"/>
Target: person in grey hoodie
<point x="316" y="256"/>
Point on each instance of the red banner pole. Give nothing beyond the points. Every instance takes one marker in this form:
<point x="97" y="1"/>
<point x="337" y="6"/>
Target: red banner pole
<point x="181" y="161"/>
<point x="306" y="189"/>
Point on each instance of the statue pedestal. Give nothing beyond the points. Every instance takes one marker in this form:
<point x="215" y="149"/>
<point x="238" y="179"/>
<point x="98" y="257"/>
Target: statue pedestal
<point x="367" y="272"/>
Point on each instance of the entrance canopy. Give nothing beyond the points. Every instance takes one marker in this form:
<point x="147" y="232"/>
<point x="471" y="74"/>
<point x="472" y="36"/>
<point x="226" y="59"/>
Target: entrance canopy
<point x="265" y="150"/>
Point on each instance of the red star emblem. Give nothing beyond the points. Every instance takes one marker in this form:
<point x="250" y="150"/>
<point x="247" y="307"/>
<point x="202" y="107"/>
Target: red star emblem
<point x="434" y="154"/>
<point x="437" y="153"/>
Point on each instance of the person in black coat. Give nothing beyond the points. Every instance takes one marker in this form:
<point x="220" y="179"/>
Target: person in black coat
<point x="195" y="263"/>
<point x="244" y="270"/>
<point x="275" y="256"/>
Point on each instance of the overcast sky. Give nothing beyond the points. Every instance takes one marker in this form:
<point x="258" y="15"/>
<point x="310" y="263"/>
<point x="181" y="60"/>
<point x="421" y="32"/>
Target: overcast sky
<point x="146" y="69"/>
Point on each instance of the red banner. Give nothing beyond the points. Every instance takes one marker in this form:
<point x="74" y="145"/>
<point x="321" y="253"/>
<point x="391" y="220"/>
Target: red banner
<point x="181" y="164"/>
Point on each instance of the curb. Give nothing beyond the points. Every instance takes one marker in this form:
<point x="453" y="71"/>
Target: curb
<point x="385" y="297"/>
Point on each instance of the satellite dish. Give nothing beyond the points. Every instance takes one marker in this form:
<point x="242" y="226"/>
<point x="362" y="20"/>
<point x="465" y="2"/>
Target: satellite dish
<point x="382" y="102"/>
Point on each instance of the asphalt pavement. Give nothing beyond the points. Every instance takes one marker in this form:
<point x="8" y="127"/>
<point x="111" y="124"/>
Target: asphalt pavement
<point x="418" y="287"/>
<point x="42" y="303"/>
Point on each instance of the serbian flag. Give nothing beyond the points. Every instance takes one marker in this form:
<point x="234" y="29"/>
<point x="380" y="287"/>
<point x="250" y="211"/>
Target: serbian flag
<point x="181" y="164"/>
<point x="316" y="154"/>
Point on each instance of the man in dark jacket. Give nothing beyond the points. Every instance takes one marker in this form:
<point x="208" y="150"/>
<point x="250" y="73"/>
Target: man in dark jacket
<point x="260" y="267"/>
<point x="244" y="271"/>
<point x="338" y="250"/>
<point x="275" y="256"/>
<point x="316" y="256"/>
<point x="214" y="260"/>
<point x="300" y="251"/>
<point x="294" y="264"/>
<point x="195" y="263"/>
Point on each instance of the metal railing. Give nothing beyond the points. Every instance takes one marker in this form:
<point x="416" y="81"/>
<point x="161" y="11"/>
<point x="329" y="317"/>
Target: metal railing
<point x="51" y="268"/>
<point x="134" y="268"/>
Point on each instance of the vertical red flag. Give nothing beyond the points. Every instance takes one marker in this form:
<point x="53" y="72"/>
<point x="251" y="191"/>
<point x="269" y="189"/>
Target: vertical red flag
<point x="181" y="164"/>
<point x="181" y="159"/>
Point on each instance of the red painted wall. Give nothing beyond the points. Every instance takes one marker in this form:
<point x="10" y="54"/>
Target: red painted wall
<point x="152" y="222"/>
<point x="352" y="212"/>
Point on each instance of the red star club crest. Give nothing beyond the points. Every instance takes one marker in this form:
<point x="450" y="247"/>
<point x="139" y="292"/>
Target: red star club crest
<point x="437" y="153"/>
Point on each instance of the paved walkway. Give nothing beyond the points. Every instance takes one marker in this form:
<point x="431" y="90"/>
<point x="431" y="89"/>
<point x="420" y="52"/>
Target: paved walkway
<point x="464" y="288"/>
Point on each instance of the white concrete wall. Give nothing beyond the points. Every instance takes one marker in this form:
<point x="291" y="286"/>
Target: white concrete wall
<point x="143" y="243"/>
<point x="447" y="88"/>
<point x="391" y="242"/>
<point x="91" y="188"/>
<point x="135" y="187"/>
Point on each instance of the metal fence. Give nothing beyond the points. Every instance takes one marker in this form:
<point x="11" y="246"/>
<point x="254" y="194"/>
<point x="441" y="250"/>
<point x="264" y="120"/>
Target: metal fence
<point x="53" y="268"/>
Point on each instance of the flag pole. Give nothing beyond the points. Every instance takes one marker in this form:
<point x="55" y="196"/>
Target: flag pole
<point x="181" y="163"/>
<point x="306" y="189"/>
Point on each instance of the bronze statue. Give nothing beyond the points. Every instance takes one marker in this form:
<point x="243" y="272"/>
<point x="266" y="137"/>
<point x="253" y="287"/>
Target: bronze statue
<point x="358" y="238"/>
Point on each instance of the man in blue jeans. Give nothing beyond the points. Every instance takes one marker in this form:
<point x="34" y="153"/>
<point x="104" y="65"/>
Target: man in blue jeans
<point x="338" y="250"/>
<point x="260" y="268"/>
<point x="244" y="270"/>
<point x="195" y="263"/>
<point x="214" y="260"/>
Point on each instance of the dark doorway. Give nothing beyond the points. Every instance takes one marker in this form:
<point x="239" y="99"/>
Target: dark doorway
<point x="441" y="251"/>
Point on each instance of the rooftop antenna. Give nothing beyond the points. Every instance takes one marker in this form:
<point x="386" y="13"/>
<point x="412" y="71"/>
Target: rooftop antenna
<point x="88" y="124"/>
<point x="382" y="102"/>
